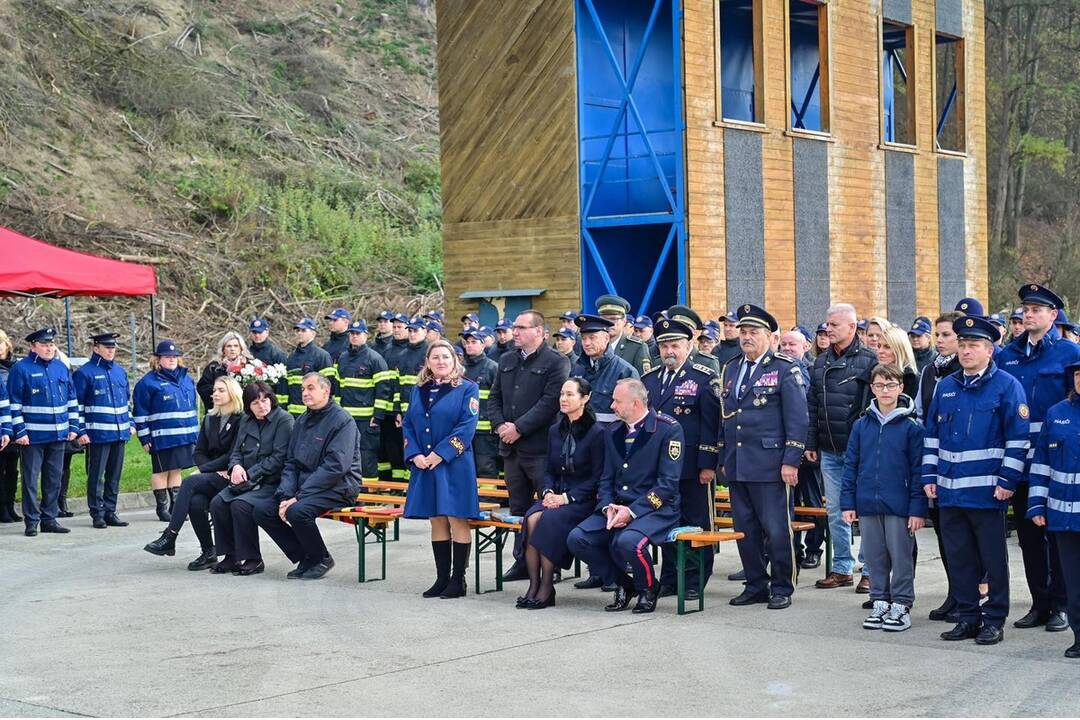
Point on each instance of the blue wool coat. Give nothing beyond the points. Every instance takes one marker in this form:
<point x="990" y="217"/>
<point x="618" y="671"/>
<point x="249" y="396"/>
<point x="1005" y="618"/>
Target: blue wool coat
<point x="442" y="419"/>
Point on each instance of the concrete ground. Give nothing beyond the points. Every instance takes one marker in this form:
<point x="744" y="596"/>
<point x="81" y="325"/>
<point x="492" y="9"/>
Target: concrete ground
<point x="92" y="625"/>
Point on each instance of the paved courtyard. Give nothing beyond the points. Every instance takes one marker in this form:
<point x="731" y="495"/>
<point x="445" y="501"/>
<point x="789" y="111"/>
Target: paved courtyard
<point x="92" y="625"/>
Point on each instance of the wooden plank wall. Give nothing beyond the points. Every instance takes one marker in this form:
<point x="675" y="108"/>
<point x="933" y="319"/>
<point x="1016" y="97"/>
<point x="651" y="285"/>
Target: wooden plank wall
<point x="508" y="136"/>
<point x="856" y="161"/>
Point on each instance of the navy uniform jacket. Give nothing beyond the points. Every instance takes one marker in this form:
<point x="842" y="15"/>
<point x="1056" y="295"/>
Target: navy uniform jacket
<point x="689" y="399"/>
<point x="1054" y="493"/>
<point x="324" y="455"/>
<point x="336" y="344"/>
<point x="767" y="426"/>
<point x="645" y="479"/>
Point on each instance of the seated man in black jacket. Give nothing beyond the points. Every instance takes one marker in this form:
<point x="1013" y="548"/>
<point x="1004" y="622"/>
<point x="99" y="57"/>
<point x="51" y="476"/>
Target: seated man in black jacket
<point x="322" y="471"/>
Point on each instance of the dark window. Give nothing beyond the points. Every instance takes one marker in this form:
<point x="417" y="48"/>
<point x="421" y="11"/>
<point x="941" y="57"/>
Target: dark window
<point x="808" y="45"/>
<point x="949" y="93"/>
<point x="898" y="83"/>
<point x="739" y="55"/>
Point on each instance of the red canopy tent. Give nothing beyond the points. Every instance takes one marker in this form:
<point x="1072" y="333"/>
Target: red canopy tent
<point x="32" y="268"/>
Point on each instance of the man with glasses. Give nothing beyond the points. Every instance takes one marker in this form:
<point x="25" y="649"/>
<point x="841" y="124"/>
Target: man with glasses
<point x="524" y="403"/>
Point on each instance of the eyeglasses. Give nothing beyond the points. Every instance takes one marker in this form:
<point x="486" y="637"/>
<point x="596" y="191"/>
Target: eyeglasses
<point x="886" y="386"/>
<point x="523" y="327"/>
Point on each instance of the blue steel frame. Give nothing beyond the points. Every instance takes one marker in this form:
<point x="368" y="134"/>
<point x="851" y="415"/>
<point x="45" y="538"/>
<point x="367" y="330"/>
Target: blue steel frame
<point x="676" y="216"/>
<point x="950" y="102"/>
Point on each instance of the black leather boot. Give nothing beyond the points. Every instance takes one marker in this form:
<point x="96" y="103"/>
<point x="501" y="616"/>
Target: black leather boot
<point x="164" y="545"/>
<point x="206" y="560"/>
<point x="457" y="587"/>
<point x="441" y="550"/>
<point x="161" y="501"/>
<point x="172" y="498"/>
<point x="61" y="501"/>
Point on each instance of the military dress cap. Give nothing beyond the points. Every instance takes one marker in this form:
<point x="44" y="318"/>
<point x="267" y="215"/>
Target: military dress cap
<point x="566" y="332"/>
<point x="612" y="304"/>
<point x="45" y="334"/>
<point x="358" y="326"/>
<point x="977" y="327"/>
<point x="305" y="324"/>
<point x="259" y="325"/>
<point x="667" y="329"/>
<point x="339" y="314"/>
<point x="642" y="321"/>
<point x="1017" y="314"/>
<point x="685" y="315"/>
<point x="504" y="324"/>
<point x="569" y="315"/>
<point x="105" y="339"/>
<point x="970" y="306"/>
<point x="919" y="327"/>
<point x="805" y="332"/>
<point x="592" y="323"/>
<point x="435" y="325"/>
<point x="386" y="315"/>
<point x="753" y="316"/>
<point x="997" y="319"/>
<point x="167" y="348"/>
<point x="1039" y="295"/>
<point x="470" y="318"/>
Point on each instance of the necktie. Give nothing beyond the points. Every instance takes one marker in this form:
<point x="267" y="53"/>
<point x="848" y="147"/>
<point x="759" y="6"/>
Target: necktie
<point x="666" y="381"/>
<point x="744" y="377"/>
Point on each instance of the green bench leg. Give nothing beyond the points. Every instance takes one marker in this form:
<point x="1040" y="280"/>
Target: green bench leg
<point x="360" y="553"/>
<point x="487" y="541"/>
<point x="577" y="567"/>
<point x="363" y="532"/>
<point x="680" y="571"/>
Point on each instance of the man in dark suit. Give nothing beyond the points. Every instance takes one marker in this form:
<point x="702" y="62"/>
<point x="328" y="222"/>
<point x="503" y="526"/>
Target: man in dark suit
<point x="523" y="404"/>
<point x="683" y="390"/>
<point x="638" y="501"/>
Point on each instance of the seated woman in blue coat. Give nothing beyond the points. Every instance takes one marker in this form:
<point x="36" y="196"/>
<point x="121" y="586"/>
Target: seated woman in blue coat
<point x="574" y="462"/>
<point x="438" y="431"/>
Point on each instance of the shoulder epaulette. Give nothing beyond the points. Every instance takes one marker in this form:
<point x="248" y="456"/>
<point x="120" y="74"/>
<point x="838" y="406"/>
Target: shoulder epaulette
<point x="652" y="370"/>
<point x="703" y="369"/>
<point x="784" y="356"/>
<point x="666" y="418"/>
<point x="631" y="338"/>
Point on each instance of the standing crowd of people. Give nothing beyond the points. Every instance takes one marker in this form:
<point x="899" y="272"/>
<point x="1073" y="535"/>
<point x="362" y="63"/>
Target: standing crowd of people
<point x="612" y="432"/>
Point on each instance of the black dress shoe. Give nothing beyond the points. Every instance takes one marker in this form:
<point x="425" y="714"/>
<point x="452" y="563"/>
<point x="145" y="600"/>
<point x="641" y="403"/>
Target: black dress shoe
<point x="647" y="601"/>
<point x="737" y="576"/>
<point x="317" y="571"/>
<point x="612" y="587"/>
<point x="1073" y="651"/>
<point x="962" y="631"/>
<point x="100" y="524"/>
<point x="811" y="561"/>
<point x="945" y="611"/>
<point x="667" y="591"/>
<point x="691" y="594"/>
<point x="1034" y="618"/>
<point x="868" y="605"/>
<point x="31" y="530"/>
<point x="1057" y="622"/>
<point x="623" y="596"/>
<point x="535" y="604"/>
<point x="205" y="561"/>
<point x="989" y="635"/>
<point x="517" y="571"/>
<point x="590" y="583"/>
<point x="523" y="602"/>
<point x="249" y="567"/>
<point x="225" y="567"/>
<point x="749" y="598"/>
<point x="112" y="520"/>
<point x="54" y="527"/>
<point x="779" y="602"/>
<point x="164" y="545"/>
<point x="302" y="567"/>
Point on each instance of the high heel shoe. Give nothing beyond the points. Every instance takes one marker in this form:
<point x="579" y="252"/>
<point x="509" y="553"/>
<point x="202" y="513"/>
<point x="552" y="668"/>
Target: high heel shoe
<point x="535" y="604"/>
<point x="523" y="602"/>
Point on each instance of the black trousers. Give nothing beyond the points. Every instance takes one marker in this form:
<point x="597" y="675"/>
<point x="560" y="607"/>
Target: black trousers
<point x="9" y="474"/>
<point x="762" y="512"/>
<point x="1042" y="566"/>
<point x="609" y="553"/>
<point x="47" y="462"/>
<point x="695" y="501"/>
<point x="236" y="531"/>
<point x="935" y="518"/>
<point x="104" y="464"/>
<point x="975" y="545"/>
<point x="193" y="501"/>
<point x="392" y="443"/>
<point x="369" y="449"/>
<point x="486" y="454"/>
<point x="1068" y="544"/>
<point x="809" y="494"/>
<point x="524" y="478"/>
<point x="300" y="538"/>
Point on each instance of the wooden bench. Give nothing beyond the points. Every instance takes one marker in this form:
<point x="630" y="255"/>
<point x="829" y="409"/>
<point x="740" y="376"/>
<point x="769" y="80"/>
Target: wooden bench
<point x="696" y="542"/>
<point x="806" y="511"/>
<point x="400" y="486"/>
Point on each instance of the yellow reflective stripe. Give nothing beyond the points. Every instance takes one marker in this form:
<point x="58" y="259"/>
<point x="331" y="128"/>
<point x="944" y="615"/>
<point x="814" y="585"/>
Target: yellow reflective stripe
<point x="407" y="379"/>
<point x="365" y="383"/>
<point x="484" y="425"/>
<point x="400" y="474"/>
<point x="294" y="379"/>
<point x="384" y="466"/>
<point x="282" y="399"/>
<point x="329" y="372"/>
<point x="383" y="376"/>
<point x="296" y="409"/>
<point x="397" y="397"/>
<point x="383" y="405"/>
<point x="360" y="411"/>
<point x="404" y="407"/>
<point x="485" y="394"/>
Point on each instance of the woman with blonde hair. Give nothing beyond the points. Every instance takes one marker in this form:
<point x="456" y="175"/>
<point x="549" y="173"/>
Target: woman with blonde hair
<point x="9" y="456"/>
<point x="438" y="429"/>
<point x="232" y="354"/>
<point x="212" y="452"/>
<point x="875" y="330"/>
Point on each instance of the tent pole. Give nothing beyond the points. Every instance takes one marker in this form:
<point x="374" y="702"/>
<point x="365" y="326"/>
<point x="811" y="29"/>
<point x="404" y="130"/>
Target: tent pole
<point x="131" y="317"/>
<point x="67" y="322"/>
<point x="153" y="322"/>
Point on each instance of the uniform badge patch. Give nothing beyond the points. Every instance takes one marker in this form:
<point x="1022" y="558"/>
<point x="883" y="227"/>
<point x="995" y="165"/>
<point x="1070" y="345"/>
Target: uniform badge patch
<point x="455" y="442"/>
<point x="654" y="500"/>
<point x="674" y="449"/>
<point x="474" y="406"/>
<point x="1024" y="411"/>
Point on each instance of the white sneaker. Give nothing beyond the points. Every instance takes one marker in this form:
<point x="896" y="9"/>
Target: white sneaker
<point x="876" y="618"/>
<point x="898" y="619"/>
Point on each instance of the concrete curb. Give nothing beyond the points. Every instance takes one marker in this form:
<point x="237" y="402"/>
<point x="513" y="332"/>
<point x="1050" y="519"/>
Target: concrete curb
<point x="126" y="501"/>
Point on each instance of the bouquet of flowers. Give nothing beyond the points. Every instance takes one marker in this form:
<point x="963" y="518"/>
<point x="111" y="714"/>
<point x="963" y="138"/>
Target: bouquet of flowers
<point x="254" y="370"/>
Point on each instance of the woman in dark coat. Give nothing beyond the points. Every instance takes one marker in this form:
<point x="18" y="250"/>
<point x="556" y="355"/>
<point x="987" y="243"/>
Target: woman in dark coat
<point x="438" y="430"/>
<point x="574" y="463"/>
<point x="212" y="451"/>
<point x="258" y="455"/>
<point x="232" y="355"/>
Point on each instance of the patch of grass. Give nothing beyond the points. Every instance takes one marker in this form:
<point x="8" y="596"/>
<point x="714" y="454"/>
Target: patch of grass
<point x="135" y="477"/>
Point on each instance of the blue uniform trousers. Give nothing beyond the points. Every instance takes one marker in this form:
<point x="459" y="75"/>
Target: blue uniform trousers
<point x="762" y="511"/>
<point x="609" y="553"/>
<point x="46" y="460"/>
<point x="104" y="464"/>
<point x="809" y="494"/>
<point x="975" y="543"/>
<point x="1068" y="544"/>
<point x="1042" y="566"/>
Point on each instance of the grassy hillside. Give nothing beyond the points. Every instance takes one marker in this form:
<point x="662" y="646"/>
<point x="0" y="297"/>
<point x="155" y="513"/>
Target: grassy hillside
<point x="270" y="157"/>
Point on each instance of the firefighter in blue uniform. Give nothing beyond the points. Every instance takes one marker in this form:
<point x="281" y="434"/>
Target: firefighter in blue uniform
<point x="339" y="321"/>
<point x="366" y="392"/>
<point x="103" y="391"/>
<point x="1054" y="497"/>
<point x="638" y="498"/>
<point x="683" y="390"/>
<point x="763" y="426"/>
<point x="974" y="450"/>
<point x="306" y="357"/>
<point x="481" y="370"/>
<point x="600" y="365"/>
<point x="405" y="365"/>
<point x="384" y="333"/>
<point x="265" y="350"/>
<point x="1037" y="359"/>
<point x="44" y="417"/>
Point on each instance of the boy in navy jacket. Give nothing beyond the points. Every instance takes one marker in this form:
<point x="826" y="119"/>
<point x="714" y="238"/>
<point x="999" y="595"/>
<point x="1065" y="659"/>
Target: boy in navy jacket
<point x="882" y="488"/>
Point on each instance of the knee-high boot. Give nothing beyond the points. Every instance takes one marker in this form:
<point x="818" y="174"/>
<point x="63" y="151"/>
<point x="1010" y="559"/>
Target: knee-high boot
<point x="161" y="501"/>
<point x="441" y="550"/>
<point x="457" y="587"/>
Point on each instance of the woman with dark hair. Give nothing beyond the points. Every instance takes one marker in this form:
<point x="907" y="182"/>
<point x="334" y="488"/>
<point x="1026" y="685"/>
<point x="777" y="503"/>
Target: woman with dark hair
<point x="574" y="463"/>
<point x="438" y="429"/>
<point x="255" y="465"/>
